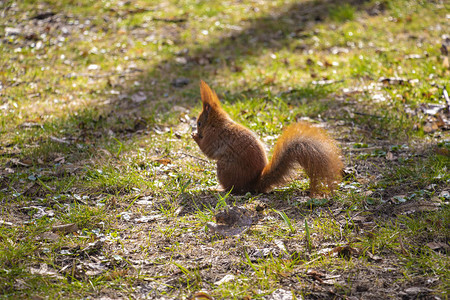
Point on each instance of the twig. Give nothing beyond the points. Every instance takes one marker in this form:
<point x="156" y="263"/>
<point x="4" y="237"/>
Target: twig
<point x="447" y="99"/>
<point x="174" y="20"/>
<point x="195" y="157"/>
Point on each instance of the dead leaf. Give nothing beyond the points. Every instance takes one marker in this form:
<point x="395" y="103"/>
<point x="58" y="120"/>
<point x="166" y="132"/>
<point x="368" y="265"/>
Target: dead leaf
<point x="390" y="156"/>
<point x="30" y="125"/>
<point x="65" y="228"/>
<point x="445" y="63"/>
<point x="432" y="109"/>
<point x="49" y="236"/>
<point x="372" y="257"/>
<point x="180" y="82"/>
<point x="430" y="127"/>
<point x="231" y="221"/>
<point x="397" y="81"/>
<point x="45" y="271"/>
<point x="416" y="206"/>
<point x="316" y="275"/>
<point x="201" y="295"/>
<point x="139" y="97"/>
<point x="439" y="247"/>
<point x="5" y="223"/>
<point x="161" y="129"/>
<point x="43" y="16"/>
<point x="60" y="160"/>
<point x="93" y="67"/>
<point x="281" y="294"/>
<point x="59" y="140"/>
<point x="398" y="199"/>
<point x="146" y="219"/>
<point x="346" y="251"/>
<point x="280" y="245"/>
<point x="269" y="80"/>
<point x="93" y="248"/>
<point x="226" y="278"/>
<point x="416" y="290"/>
<point x="17" y="162"/>
<point x="161" y="160"/>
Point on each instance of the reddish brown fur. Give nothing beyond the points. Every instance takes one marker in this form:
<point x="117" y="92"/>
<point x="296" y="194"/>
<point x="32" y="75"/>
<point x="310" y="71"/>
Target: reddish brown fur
<point x="242" y="164"/>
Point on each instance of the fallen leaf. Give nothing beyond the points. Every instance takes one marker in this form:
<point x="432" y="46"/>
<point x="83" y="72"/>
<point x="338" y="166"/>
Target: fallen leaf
<point x="346" y="251"/>
<point x="372" y="257"/>
<point x="390" y="156"/>
<point x="161" y="160"/>
<point x="397" y="81"/>
<point x="316" y="275"/>
<point x="49" y="236"/>
<point x="93" y="248"/>
<point x="30" y="125"/>
<point x="93" y="67"/>
<point x="17" y="162"/>
<point x="439" y="247"/>
<point x="146" y="219"/>
<point x="226" y="278"/>
<point x="59" y="140"/>
<point x="399" y="198"/>
<point x="445" y="63"/>
<point x="281" y="294"/>
<point x="5" y="223"/>
<point x="280" y="245"/>
<point x="65" y="228"/>
<point x="231" y="221"/>
<point x="45" y="271"/>
<point x="44" y="15"/>
<point x="416" y="290"/>
<point x="201" y="295"/>
<point x="139" y="97"/>
<point x="180" y="82"/>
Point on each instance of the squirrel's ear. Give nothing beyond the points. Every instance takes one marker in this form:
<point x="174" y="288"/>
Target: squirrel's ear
<point x="206" y="107"/>
<point x="209" y="97"/>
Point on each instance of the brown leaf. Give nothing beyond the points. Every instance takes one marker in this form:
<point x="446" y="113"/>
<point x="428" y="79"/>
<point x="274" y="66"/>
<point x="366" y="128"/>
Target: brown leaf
<point x="49" y="236"/>
<point x="45" y="271"/>
<point x="445" y="63"/>
<point x="430" y="127"/>
<point x="346" y="251"/>
<point x="390" y="156"/>
<point x="316" y="275"/>
<point x="163" y="161"/>
<point x="201" y="295"/>
<point x="232" y="221"/>
<point x="226" y="278"/>
<point x="65" y="228"/>
<point x="373" y="257"/>
<point x="269" y="80"/>
<point x="439" y="246"/>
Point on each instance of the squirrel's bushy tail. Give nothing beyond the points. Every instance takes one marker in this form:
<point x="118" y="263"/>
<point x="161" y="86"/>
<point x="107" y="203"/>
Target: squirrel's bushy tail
<point x="311" y="148"/>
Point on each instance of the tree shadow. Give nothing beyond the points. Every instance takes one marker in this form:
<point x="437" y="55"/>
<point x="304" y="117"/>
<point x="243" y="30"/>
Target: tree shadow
<point x="283" y="29"/>
<point x="104" y="125"/>
<point x="177" y="77"/>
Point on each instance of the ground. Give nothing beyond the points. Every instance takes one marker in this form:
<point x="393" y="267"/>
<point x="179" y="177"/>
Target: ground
<point x="104" y="194"/>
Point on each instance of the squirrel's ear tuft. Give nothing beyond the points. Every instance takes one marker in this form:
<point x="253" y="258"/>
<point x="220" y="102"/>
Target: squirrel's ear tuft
<point x="209" y="97"/>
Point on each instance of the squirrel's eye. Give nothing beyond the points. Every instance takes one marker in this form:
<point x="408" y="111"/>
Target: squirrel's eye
<point x="199" y="124"/>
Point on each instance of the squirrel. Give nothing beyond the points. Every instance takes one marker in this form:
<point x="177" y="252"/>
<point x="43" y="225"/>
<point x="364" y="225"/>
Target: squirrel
<point x="242" y="164"/>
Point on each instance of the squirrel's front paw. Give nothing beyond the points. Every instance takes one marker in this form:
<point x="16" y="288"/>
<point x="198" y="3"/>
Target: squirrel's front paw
<point x="196" y="136"/>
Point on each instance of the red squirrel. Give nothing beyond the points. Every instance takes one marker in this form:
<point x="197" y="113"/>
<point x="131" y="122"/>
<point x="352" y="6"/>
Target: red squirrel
<point x="242" y="164"/>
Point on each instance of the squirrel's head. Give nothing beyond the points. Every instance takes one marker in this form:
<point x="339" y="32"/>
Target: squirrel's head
<point x="211" y="112"/>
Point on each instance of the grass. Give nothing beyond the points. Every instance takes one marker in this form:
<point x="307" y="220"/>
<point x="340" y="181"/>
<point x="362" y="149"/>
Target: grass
<point x="95" y="130"/>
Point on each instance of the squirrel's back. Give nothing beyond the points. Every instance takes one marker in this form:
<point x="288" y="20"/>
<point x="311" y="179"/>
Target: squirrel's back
<point x="243" y="161"/>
